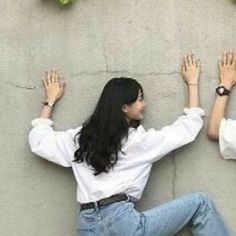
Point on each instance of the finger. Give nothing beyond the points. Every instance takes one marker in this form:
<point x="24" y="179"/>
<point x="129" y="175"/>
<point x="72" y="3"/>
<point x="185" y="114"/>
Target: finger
<point x="44" y="82"/>
<point x="224" y="59"/>
<point x="234" y="59"/>
<point x="183" y="68"/>
<point x="53" y="72"/>
<point x="56" y="77"/>
<point x="189" y="60"/>
<point x="227" y="58"/>
<point x="220" y="63"/>
<point x="48" y="77"/>
<point x="63" y="84"/>
<point x="185" y="61"/>
<point x="193" y="58"/>
<point x="230" y="57"/>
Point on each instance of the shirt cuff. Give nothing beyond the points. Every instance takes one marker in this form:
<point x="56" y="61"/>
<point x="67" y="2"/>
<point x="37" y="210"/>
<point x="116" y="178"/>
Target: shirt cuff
<point x="227" y="139"/>
<point x="194" y="110"/>
<point x="42" y="121"/>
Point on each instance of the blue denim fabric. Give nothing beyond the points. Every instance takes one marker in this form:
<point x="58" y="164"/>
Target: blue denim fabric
<point x="121" y="219"/>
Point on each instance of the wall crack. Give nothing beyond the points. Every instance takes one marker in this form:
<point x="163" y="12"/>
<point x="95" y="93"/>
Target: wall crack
<point x="123" y="72"/>
<point x="21" y="86"/>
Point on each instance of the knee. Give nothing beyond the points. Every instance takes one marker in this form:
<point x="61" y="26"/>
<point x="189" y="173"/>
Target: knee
<point x="203" y="198"/>
<point x="202" y="195"/>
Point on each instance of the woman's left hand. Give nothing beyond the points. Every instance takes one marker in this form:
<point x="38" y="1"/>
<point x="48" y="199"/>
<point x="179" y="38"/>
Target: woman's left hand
<point x="191" y="69"/>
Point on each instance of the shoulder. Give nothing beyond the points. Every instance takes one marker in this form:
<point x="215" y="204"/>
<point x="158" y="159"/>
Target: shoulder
<point x="136" y="136"/>
<point x="136" y="132"/>
<point x="74" y="131"/>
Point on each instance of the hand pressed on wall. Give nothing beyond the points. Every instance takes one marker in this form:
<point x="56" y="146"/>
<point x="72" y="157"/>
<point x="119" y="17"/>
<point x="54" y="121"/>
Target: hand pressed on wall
<point x="54" y="87"/>
<point x="191" y="69"/>
<point x="227" y="69"/>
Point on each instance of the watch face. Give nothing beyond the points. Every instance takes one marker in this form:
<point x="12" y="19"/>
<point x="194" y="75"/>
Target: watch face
<point x="221" y="90"/>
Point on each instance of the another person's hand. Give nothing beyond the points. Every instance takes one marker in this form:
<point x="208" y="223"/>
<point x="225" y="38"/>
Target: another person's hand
<point x="191" y="69"/>
<point x="227" y="70"/>
<point x="54" y="87"/>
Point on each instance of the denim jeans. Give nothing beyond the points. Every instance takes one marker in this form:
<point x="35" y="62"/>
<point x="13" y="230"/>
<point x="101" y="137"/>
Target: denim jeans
<point x="121" y="219"/>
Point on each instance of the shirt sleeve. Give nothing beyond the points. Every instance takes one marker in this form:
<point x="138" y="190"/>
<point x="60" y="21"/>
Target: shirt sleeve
<point x="154" y="144"/>
<point x="227" y="138"/>
<point x="55" y="146"/>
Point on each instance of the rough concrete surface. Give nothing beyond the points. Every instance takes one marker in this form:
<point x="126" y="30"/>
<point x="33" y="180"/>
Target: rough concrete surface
<point x="90" y="42"/>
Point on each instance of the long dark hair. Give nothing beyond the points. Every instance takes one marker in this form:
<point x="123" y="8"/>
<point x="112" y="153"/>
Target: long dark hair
<point x="100" y="137"/>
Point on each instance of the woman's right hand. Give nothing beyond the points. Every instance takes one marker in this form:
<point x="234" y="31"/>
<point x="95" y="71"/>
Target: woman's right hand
<point x="54" y="87"/>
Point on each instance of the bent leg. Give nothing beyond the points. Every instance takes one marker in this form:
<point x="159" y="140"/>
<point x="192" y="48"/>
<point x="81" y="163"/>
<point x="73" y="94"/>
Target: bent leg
<point x="194" y="209"/>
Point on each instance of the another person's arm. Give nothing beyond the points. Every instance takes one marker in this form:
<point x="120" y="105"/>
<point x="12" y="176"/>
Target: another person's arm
<point x="227" y="79"/>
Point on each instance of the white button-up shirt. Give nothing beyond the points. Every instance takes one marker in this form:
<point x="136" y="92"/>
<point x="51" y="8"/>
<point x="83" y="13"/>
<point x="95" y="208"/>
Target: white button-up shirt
<point x="227" y="138"/>
<point x="131" y="172"/>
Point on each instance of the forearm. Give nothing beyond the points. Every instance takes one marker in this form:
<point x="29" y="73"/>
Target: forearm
<point x="46" y="112"/>
<point x="218" y="113"/>
<point x="193" y="95"/>
<point x="48" y="108"/>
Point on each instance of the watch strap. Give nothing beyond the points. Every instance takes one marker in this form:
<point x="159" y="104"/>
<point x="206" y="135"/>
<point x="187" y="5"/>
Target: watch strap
<point x="49" y="104"/>
<point x="222" y="91"/>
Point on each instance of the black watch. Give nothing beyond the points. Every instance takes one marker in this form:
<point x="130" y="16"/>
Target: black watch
<point x="222" y="91"/>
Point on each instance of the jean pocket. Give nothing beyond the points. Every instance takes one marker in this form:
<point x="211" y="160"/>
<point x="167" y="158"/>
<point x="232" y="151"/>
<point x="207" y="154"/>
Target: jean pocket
<point x="125" y="223"/>
<point x="85" y="225"/>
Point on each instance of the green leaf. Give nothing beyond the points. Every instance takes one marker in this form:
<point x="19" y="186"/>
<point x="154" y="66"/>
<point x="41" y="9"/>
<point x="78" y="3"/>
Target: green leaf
<point x="64" y="2"/>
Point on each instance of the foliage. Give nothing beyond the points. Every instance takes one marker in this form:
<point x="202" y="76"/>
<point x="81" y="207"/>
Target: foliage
<point x="64" y="2"/>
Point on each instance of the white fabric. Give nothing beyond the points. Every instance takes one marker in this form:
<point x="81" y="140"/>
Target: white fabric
<point x="132" y="170"/>
<point x="227" y="138"/>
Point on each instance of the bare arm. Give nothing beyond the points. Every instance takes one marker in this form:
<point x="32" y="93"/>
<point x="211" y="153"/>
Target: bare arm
<point x="54" y="90"/>
<point x="191" y="74"/>
<point x="227" y="78"/>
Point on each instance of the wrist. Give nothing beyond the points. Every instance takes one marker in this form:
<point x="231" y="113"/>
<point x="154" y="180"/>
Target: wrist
<point x="222" y="91"/>
<point x="49" y="103"/>
<point x="193" y="86"/>
<point x="52" y="100"/>
<point x="226" y="85"/>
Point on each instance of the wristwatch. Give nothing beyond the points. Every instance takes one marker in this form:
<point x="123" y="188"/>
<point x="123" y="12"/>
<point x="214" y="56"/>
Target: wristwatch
<point x="222" y="91"/>
<point x="49" y="104"/>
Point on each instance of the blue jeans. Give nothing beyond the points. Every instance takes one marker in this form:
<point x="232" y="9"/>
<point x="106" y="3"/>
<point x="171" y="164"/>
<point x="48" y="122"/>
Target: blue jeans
<point x="121" y="219"/>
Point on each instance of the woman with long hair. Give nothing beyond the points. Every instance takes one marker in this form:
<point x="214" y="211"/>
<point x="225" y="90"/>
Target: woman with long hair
<point x="111" y="156"/>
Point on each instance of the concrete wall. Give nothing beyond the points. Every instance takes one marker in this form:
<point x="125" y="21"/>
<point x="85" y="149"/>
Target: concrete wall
<point x="91" y="42"/>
